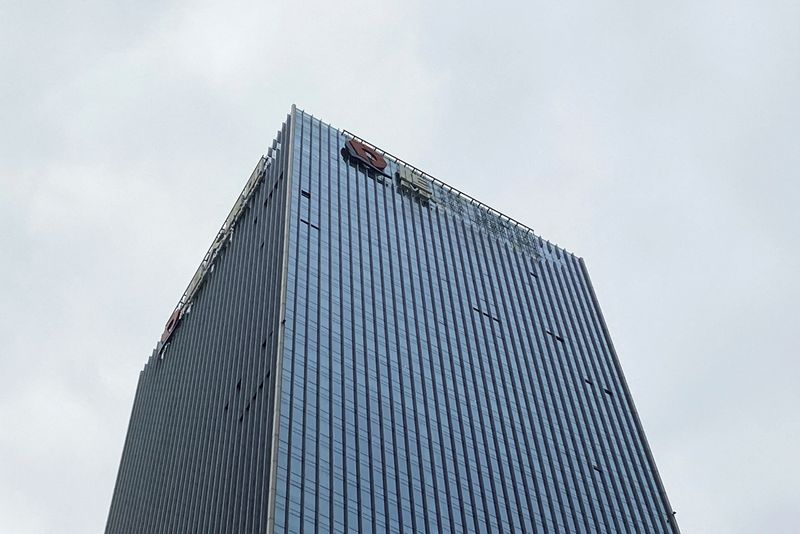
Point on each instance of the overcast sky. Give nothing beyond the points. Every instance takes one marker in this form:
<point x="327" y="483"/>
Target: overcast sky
<point x="658" y="140"/>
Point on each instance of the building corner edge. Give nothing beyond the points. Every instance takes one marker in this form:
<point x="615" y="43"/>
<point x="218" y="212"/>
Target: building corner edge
<point x="629" y="399"/>
<point x="273" y="441"/>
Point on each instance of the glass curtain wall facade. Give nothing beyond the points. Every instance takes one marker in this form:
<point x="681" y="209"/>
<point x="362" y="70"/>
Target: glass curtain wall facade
<point x="438" y="368"/>
<point x="197" y="457"/>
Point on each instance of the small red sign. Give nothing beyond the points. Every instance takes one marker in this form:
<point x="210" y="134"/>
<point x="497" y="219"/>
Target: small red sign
<point x="366" y="155"/>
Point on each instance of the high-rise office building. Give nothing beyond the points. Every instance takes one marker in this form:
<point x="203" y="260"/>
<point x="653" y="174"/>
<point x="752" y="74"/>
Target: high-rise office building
<point x="366" y="349"/>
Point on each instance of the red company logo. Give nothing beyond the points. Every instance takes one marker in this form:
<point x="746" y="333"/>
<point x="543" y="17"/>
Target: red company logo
<point x="366" y="155"/>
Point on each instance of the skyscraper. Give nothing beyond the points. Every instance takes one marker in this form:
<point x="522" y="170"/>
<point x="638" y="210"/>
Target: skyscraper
<point x="366" y="349"/>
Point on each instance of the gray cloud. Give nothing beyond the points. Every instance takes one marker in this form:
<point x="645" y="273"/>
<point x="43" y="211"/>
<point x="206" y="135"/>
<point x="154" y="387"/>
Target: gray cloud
<point x="657" y="141"/>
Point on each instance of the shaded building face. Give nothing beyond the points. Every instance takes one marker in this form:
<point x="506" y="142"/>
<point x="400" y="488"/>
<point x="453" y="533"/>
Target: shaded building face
<point x="366" y="349"/>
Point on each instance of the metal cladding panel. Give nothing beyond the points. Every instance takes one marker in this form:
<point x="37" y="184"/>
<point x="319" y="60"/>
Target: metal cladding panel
<point x="197" y="457"/>
<point x="443" y="369"/>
